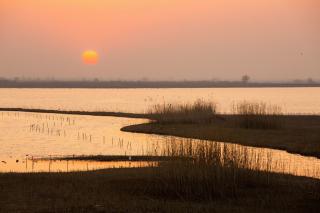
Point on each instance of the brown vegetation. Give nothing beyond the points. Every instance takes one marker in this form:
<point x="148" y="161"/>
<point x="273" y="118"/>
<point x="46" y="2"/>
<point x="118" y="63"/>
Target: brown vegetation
<point x="198" y="112"/>
<point x="208" y="170"/>
<point x="299" y="135"/>
<point x="258" y="115"/>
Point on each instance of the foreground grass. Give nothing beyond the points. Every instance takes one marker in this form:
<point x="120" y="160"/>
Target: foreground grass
<point x="207" y="177"/>
<point x="132" y="190"/>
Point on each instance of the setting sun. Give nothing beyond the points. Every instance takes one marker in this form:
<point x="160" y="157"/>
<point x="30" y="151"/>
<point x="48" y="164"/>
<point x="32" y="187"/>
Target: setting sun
<point x="90" y="57"/>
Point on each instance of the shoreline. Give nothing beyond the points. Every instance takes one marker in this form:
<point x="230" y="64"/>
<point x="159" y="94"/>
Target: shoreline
<point x="301" y="137"/>
<point x="71" y="112"/>
<point x="145" y="129"/>
<point x="120" y="114"/>
<point x="111" y="158"/>
<point x="139" y="84"/>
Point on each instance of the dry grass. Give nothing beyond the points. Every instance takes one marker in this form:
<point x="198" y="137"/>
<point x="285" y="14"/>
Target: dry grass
<point x="258" y="115"/>
<point x="128" y="190"/>
<point x="198" y="112"/>
<point x="213" y="171"/>
<point x="250" y="115"/>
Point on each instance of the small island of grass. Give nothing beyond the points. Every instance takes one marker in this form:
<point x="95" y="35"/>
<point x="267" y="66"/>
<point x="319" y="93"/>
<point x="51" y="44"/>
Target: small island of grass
<point x="251" y="124"/>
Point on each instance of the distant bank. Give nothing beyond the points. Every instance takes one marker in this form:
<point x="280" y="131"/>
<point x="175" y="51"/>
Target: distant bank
<point x="147" y="84"/>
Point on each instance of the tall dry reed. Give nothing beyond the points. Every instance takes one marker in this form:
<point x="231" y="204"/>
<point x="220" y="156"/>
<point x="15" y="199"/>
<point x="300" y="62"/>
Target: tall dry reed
<point x="258" y="115"/>
<point x="207" y="170"/>
<point x="198" y="112"/>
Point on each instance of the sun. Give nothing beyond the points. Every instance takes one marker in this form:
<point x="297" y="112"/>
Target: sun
<point x="90" y="57"/>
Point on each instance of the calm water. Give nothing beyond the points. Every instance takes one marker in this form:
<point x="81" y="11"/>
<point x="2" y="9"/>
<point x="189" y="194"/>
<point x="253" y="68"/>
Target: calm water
<point x="293" y="100"/>
<point x="27" y="135"/>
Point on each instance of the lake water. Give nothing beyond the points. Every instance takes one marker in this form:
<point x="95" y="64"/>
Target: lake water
<point x="33" y="135"/>
<point x="292" y="100"/>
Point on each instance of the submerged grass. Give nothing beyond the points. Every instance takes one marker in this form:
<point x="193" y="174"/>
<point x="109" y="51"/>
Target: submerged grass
<point x="198" y="112"/>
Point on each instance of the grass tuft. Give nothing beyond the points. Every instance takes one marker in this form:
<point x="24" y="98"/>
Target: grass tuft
<point x="258" y="115"/>
<point x="198" y="112"/>
<point x="210" y="171"/>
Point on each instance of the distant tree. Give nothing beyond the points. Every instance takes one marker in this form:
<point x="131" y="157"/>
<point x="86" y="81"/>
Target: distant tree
<point x="310" y="81"/>
<point x="214" y="79"/>
<point x="298" y="81"/>
<point x="144" y="79"/>
<point x="245" y="78"/>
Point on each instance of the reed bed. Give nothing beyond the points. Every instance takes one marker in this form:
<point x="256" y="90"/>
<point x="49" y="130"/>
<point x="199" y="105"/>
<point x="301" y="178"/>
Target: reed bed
<point x="208" y="170"/>
<point x="198" y="112"/>
<point x="258" y="115"/>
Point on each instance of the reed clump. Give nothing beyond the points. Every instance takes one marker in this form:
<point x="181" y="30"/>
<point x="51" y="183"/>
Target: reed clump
<point x="258" y="115"/>
<point x="198" y="112"/>
<point x="207" y="171"/>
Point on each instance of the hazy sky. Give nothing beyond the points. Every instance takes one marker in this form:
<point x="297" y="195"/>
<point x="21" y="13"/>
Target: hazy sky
<point x="161" y="39"/>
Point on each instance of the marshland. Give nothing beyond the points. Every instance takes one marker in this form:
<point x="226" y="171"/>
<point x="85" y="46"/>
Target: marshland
<point x="159" y="106"/>
<point x="160" y="155"/>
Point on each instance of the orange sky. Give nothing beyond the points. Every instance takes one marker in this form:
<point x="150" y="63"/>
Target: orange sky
<point x="161" y="39"/>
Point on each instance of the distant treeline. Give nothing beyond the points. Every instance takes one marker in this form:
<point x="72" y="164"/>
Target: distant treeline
<point x="146" y="84"/>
